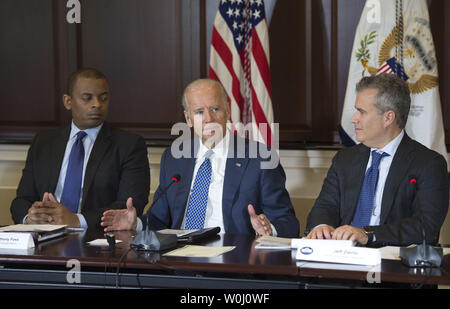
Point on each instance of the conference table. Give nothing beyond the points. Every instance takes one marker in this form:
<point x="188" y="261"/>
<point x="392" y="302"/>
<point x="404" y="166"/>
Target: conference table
<point x="70" y="262"/>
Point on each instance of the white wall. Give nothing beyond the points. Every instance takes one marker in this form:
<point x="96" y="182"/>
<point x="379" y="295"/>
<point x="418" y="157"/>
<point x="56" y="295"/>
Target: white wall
<point x="305" y="172"/>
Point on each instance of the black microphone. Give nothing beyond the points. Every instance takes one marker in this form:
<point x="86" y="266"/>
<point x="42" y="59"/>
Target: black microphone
<point x="175" y="178"/>
<point x="421" y="255"/>
<point x="148" y="240"/>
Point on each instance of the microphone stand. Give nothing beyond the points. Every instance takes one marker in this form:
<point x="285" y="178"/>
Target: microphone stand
<point x="422" y="255"/>
<point x="148" y="240"/>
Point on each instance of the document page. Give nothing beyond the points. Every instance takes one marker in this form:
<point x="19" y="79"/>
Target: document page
<point x="199" y="251"/>
<point x="270" y="242"/>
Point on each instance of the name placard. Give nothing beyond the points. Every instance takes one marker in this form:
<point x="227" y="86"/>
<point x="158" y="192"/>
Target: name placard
<point x="342" y="255"/>
<point x="303" y="242"/>
<point x="10" y="240"/>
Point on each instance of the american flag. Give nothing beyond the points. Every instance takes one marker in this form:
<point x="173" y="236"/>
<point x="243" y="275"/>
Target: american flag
<point x="392" y="67"/>
<point x="240" y="62"/>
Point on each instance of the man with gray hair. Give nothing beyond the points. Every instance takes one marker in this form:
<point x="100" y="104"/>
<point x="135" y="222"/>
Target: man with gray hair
<point x="218" y="186"/>
<point x="382" y="190"/>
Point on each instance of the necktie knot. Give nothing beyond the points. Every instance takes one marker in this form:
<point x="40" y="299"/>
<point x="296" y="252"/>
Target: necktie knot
<point x="376" y="158"/>
<point x="208" y="154"/>
<point x="80" y="135"/>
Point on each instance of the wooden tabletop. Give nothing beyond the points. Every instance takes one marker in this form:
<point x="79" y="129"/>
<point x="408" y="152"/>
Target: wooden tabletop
<point x="244" y="259"/>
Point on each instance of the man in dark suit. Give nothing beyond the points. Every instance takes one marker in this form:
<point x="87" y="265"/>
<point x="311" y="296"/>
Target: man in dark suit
<point x="238" y="185"/>
<point x="367" y="195"/>
<point x="72" y="175"/>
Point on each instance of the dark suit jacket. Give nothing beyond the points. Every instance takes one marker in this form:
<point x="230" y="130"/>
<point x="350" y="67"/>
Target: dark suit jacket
<point x="117" y="169"/>
<point x="244" y="183"/>
<point x="400" y="217"/>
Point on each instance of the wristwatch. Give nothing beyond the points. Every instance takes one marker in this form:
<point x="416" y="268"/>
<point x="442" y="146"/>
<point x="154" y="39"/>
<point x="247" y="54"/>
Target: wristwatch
<point x="370" y="234"/>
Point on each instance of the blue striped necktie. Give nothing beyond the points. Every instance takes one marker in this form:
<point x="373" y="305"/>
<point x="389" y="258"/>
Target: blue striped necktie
<point x="72" y="185"/>
<point x="195" y="217"/>
<point x="366" y="200"/>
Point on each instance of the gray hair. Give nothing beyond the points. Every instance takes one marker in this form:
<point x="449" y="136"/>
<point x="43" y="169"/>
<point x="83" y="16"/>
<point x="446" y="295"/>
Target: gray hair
<point x="204" y="83"/>
<point x="393" y="94"/>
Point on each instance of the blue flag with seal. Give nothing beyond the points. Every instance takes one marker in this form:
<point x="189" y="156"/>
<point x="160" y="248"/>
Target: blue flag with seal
<point x="394" y="36"/>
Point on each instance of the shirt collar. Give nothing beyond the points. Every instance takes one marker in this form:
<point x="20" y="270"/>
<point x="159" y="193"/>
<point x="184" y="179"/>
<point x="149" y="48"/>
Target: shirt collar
<point x="91" y="132"/>
<point x="391" y="147"/>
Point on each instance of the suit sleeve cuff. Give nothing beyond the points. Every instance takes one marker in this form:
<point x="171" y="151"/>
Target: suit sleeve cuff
<point x="83" y="223"/>
<point x="139" y="225"/>
<point x="274" y="230"/>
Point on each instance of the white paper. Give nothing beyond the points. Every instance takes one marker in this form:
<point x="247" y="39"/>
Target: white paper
<point x="75" y="229"/>
<point x="31" y="228"/>
<point x="272" y="246"/>
<point x="101" y="242"/>
<point x="296" y="243"/>
<point x="390" y="253"/>
<point x="199" y="251"/>
<point x="270" y="242"/>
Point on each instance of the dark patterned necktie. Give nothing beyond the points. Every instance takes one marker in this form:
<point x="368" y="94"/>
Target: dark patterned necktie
<point x="366" y="200"/>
